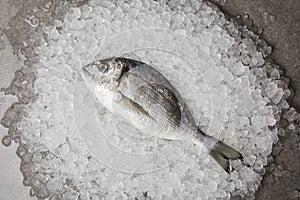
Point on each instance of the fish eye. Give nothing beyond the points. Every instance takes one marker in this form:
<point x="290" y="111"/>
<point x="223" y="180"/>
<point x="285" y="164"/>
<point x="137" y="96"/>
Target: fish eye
<point x="103" y="68"/>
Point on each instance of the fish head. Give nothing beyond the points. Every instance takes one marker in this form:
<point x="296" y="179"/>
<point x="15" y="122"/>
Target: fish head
<point x="102" y="73"/>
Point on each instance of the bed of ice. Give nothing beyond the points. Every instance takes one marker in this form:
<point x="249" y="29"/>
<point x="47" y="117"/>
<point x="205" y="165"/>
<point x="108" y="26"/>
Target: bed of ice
<point x="72" y="148"/>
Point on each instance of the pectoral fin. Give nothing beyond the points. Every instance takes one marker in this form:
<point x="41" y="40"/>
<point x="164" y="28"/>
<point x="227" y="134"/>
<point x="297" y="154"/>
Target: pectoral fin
<point x="130" y="105"/>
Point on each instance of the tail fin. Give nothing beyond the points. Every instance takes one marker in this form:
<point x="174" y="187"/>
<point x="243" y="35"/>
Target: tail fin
<point x="223" y="154"/>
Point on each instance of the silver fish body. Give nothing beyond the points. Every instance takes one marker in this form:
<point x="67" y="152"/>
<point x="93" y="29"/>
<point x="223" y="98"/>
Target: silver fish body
<point x="143" y="97"/>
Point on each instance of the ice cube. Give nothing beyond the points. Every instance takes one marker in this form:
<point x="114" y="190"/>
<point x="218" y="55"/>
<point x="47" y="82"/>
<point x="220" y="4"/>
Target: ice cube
<point x="291" y="115"/>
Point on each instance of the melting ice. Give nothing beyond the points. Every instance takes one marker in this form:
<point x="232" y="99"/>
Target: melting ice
<point x="71" y="147"/>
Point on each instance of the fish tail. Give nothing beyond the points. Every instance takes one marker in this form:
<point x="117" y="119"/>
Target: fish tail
<point x="222" y="153"/>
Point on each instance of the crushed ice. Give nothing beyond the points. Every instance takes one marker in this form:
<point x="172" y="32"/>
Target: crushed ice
<point x="72" y="148"/>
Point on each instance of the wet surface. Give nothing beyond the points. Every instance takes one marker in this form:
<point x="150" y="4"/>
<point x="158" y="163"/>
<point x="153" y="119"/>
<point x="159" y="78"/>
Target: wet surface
<point x="20" y="31"/>
<point x="280" y="22"/>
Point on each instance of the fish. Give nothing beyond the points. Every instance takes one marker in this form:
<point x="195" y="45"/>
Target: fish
<point x="143" y="97"/>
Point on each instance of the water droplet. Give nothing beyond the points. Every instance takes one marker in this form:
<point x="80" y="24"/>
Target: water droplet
<point x="249" y="23"/>
<point x="2" y="90"/>
<point x="21" y="151"/>
<point x="272" y="18"/>
<point x="6" y="141"/>
<point x="26" y="181"/>
<point x="24" y="83"/>
<point x="260" y="30"/>
<point x="47" y="4"/>
<point x="31" y="192"/>
<point x="268" y="17"/>
<point x="246" y="17"/>
<point x="32" y="21"/>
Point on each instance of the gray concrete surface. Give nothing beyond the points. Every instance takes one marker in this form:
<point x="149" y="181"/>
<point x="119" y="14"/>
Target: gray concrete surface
<point x="12" y="15"/>
<point x="11" y="187"/>
<point x="280" y="21"/>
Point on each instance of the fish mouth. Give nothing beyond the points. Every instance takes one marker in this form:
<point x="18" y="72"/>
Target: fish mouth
<point x="88" y="70"/>
<point x="85" y="69"/>
<point x="86" y="73"/>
